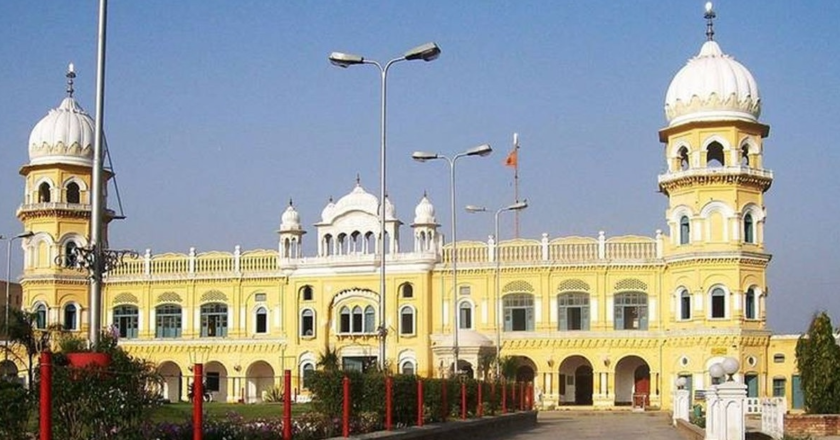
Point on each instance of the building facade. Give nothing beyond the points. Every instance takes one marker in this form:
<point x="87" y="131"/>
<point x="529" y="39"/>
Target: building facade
<point x="593" y="321"/>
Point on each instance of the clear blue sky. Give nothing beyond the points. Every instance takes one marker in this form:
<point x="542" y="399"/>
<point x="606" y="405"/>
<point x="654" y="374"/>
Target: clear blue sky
<point x="218" y="112"/>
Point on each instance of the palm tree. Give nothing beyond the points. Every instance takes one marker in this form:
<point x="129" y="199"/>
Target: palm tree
<point x="509" y="365"/>
<point x="23" y="332"/>
<point x="328" y="359"/>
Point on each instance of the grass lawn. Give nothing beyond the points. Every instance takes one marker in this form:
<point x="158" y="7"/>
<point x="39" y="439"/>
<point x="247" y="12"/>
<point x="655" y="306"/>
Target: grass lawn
<point x="178" y="412"/>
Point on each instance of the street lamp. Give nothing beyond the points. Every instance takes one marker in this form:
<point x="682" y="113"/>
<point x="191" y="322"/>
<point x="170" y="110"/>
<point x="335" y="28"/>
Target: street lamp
<point x="9" y="241"/>
<point x="518" y="206"/>
<point x="425" y="52"/>
<point x="420" y="156"/>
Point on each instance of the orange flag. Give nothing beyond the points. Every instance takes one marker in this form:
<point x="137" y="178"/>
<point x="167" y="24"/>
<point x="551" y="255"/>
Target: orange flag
<point x="511" y="160"/>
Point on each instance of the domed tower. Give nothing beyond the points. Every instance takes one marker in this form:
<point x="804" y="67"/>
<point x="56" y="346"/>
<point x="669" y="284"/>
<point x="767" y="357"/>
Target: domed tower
<point x="291" y="233"/>
<point x="425" y="227"/>
<point x="715" y="184"/>
<point x="57" y="210"/>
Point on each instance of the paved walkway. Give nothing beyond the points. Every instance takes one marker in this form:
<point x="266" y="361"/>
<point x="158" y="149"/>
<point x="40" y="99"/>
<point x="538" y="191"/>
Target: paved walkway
<point x="575" y="425"/>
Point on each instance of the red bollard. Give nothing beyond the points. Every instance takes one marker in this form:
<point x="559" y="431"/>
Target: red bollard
<point x="522" y="397"/>
<point x="45" y="418"/>
<point x="345" y="429"/>
<point x="287" y="405"/>
<point x="504" y="399"/>
<point x="480" y="408"/>
<point x="389" y="383"/>
<point x="198" y="401"/>
<point x="463" y="401"/>
<point x="419" y="402"/>
<point x="513" y="397"/>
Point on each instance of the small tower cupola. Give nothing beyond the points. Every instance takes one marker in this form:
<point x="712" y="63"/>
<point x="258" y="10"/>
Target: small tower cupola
<point x="291" y="233"/>
<point x="426" y="238"/>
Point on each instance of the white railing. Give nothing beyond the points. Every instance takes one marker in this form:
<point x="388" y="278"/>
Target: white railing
<point x="753" y="405"/>
<point x="773" y="411"/>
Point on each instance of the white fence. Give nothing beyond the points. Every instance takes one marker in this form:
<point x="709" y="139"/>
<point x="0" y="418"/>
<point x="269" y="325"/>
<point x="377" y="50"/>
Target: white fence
<point x="773" y="416"/>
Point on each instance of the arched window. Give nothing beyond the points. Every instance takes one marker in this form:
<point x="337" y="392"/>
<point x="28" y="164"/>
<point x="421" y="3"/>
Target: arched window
<point x="214" y="320"/>
<point x="406" y="321"/>
<point x="407" y="290"/>
<point x="631" y="311"/>
<point x="71" y="317"/>
<point x="685" y="305"/>
<point x="750" y="304"/>
<point x="749" y="229"/>
<point x="344" y="320"/>
<point x="125" y="319"/>
<point x="370" y="320"/>
<point x="168" y="321"/>
<point x="407" y="367"/>
<point x="685" y="230"/>
<point x="41" y="317"/>
<point x="718" y="303"/>
<point x="44" y="193"/>
<point x="328" y="245"/>
<point x="306" y="293"/>
<point x="519" y="312"/>
<point x="261" y="320"/>
<point x="683" y="155"/>
<point x="745" y="155"/>
<point x="73" y="192"/>
<point x="572" y="311"/>
<point x="465" y="315"/>
<point x="307" y="369"/>
<point x="70" y="258"/>
<point x="714" y="155"/>
<point x="358" y="319"/>
<point x="307" y="323"/>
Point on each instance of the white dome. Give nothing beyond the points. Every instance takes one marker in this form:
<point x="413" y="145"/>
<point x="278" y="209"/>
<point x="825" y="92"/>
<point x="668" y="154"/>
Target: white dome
<point x="327" y="212"/>
<point x="65" y="135"/>
<point x="357" y="200"/>
<point x="290" y="220"/>
<point x="390" y="210"/>
<point x="424" y="213"/>
<point x="712" y="87"/>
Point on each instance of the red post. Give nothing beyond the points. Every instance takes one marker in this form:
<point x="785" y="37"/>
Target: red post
<point x="419" y="402"/>
<point x="45" y="423"/>
<point x="504" y="398"/>
<point x="287" y="405"/>
<point x="463" y="400"/>
<point x="445" y="406"/>
<point x="480" y="408"/>
<point x="522" y="397"/>
<point x="345" y="429"/>
<point x="513" y="396"/>
<point x="389" y="384"/>
<point x="198" y="401"/>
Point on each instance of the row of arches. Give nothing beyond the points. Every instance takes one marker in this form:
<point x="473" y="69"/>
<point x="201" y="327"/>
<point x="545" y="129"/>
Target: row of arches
<point x="715" y="152"/>
<point x="46" y="191"/>
<point x="717" y="222"/>
<point x="718" y="302"/>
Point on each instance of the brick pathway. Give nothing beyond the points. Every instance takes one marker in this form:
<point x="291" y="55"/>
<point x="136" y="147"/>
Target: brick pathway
<point x="575" y="425"/>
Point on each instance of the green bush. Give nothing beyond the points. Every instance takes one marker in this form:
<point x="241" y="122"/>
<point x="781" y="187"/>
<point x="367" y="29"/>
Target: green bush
<point x="817" y="357"/>
<point x="18" y="405"/>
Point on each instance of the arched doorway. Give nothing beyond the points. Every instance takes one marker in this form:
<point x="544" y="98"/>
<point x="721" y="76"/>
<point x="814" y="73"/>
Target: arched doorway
<point x="215" y="376"/>
<point x="260" y="379"/>
<point x="465" y="369"/>
<point x="172" y="389"/>
<point x="632" y="382"/>
<point x="575" y="383"/>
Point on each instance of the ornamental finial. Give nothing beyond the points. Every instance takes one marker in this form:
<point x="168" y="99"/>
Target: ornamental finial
<point x="710" y="25"/>
<point x="71" y="74"/>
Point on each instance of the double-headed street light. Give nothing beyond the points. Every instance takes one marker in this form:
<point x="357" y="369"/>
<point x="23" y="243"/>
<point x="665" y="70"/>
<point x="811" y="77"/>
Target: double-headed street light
<point x="481" y="150"/>
<point x="518" y="206"/>
<point x="9" y="241"/>
<point x="425" y="52"/>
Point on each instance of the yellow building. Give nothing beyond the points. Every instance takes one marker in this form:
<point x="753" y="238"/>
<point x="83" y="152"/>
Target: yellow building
<point x="600" y="321"/>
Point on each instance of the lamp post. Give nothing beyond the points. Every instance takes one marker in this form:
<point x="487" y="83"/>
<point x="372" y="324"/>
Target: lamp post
<point x="425" y="52"/>
<point x="518" y="206"/>
<point x="420" y="156"/>
<point x="9" y="241"/>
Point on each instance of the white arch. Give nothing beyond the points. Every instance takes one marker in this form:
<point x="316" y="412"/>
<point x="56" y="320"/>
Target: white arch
<point x="752" y="146"/>
<point x="727" y="301"/>
<point x="719" y="139"/>
<point x="32" y="196"/>
<point x="413" y="320"/>
<point x="407" y="356"/>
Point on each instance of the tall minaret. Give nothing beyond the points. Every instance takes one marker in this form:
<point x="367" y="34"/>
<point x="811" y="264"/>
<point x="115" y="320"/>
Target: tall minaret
<point x="715" y="184"/>
<point x="57" y="209"/>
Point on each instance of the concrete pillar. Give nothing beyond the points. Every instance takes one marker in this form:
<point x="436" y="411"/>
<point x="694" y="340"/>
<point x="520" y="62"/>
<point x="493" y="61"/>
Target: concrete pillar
<point x="732" y="411"/>
<point x="682" y="405"/>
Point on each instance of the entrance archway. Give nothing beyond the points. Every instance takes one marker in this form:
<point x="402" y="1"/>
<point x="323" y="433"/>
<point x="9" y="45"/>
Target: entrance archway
<point x="575" y="381"/>
<point x="216" y="375"/>
<point x="172" y="375"/>
<point x="260" y="379"/>
<point x="632" y="381"/>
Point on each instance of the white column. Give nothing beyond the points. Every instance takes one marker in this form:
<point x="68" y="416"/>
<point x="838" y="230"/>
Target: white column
<point x="732" y="410"/>
<point x="681" y="405"/>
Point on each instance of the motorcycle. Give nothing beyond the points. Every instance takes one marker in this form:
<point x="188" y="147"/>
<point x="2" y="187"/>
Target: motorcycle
<point x="208" y="395"/>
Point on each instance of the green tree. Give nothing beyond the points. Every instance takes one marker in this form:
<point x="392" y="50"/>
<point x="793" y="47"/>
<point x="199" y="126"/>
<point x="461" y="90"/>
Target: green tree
<point x="24" y="334"/>
<point x="817" y="358"/>
<point x="328" y="359"/>
<point x="509" y="366"/>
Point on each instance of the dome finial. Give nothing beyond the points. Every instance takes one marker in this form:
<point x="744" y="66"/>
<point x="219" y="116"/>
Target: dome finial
<point x="710" y="25"/>
<point x="71" y="73"/>
<point x="358" y="180"/>
<point x="290" y="202"/>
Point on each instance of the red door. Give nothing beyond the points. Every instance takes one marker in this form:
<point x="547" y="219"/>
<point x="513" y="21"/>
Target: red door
<point x="641" y="394"/>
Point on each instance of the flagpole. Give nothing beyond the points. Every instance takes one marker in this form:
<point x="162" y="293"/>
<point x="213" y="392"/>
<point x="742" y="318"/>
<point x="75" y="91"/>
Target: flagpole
<point x="516" y="184"/>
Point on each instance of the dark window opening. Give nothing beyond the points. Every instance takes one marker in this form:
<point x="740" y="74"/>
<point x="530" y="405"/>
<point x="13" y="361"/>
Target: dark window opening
<point x="718" y="303"/>
<point x="714" y="155"/>
<point x="73" y="192"/>
<point x="44" y="193"/>
<point x="685" y="230"/>
<point x="262" y="321"/>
